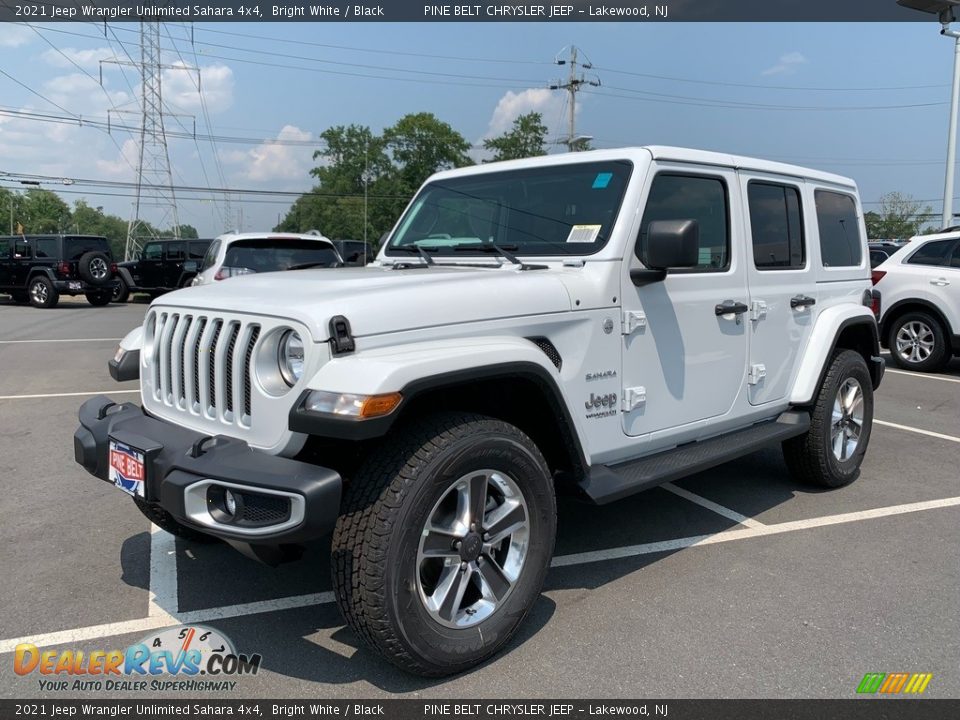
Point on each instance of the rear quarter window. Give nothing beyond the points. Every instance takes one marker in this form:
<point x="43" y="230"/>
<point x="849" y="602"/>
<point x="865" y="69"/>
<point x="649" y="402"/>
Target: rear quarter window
<point x="840" y="241"/>
<point x="932" y="253"/>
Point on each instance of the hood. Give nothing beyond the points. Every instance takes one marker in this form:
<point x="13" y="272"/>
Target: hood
<point x="379" y="299"/>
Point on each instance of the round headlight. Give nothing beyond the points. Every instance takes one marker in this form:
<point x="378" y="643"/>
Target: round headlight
<point x="291" y="357"/>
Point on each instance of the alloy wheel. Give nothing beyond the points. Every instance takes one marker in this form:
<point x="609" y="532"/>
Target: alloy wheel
<point x="846" y="423"/>
<point x="915" y="341"/>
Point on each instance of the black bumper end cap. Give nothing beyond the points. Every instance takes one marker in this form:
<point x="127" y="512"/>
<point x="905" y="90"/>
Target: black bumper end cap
<point x="127" y="369"/>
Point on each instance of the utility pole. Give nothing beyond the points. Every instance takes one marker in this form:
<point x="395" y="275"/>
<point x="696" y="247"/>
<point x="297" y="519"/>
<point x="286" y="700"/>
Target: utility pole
<point x="154" y="179"/>
<point x="573" y="84"/>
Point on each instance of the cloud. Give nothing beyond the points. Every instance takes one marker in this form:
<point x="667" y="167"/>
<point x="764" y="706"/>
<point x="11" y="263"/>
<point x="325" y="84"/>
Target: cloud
<point x="549" y="103"/>
<point x="14" y="36"/>
<point x="125" y="161"/>
<point x="216" y="82"/>
<point x="787" y="64"/>
<point x="271" y="160"/>
<point x="88" y="59"/>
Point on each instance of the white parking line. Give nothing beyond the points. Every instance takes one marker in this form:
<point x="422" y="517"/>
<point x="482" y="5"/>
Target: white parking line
<point x="710" y="505"/>
<point x="920" y="431"/>
<point x="923" y="376"/>
<point x="163" y="573"/>
<point x="72" y="394"/>
<point x="153" y="622"/>
<point x="56" y="340"/>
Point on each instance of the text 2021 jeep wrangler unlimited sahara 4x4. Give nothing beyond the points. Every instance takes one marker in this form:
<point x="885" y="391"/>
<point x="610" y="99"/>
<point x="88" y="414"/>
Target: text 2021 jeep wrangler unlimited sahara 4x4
<point x="604" y="321"/>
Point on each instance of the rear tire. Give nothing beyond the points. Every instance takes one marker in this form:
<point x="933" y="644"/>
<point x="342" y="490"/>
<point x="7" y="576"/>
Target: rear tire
<point x="42" y="293"/>
<point x="99" y="298"/>
<point x="829" y="454"/>
<point x="165" y="521"/>
<point x="917" y="341"/>
<point x="20" y="297"/>
<point x="121" y="291"/>
<point x="430" y="578"/>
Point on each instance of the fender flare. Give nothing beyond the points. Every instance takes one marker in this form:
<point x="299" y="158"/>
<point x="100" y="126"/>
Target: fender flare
<point x="415" y="369"/>
<point x="823" y="341"/>
<point x="127" y="277"/>
<point x="41" y="271"/>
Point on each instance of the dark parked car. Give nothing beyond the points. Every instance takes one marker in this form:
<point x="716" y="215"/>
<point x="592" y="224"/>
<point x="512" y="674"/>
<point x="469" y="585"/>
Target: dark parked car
<point x="162" y="265"/>
<point x="40" y="268"/>
<point x="355" y="252"/>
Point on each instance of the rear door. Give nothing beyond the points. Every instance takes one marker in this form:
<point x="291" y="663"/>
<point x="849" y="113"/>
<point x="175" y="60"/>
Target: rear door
<point x="782" y="283"/>
<point x="151" y="265"/>
<point x="21" y="260"/>
<point x="6" y="262"/>
<point x="176" y="254"/>
<point x="685" y="363"/>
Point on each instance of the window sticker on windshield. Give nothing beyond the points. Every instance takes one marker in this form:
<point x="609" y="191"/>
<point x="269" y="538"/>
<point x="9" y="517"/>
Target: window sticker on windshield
<point x="584" y="233"/>
<point x="602" y="180"/>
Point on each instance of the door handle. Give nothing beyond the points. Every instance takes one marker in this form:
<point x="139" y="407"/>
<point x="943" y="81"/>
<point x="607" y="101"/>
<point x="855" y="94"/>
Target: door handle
<point x="940" y="282"/>
<point x="731" y="308"/>
<point x="799" y="301"/>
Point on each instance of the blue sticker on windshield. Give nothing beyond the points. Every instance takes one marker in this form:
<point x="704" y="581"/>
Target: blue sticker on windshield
<point x="602" y="180"/>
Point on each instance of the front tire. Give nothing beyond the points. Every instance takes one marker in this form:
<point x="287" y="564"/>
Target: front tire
<point x="42" y="293"/>
<point x="444" y="540"/>
<point x="918" y="342"/>
<point x="99" y="298"/>
<point x="121" y="291"/>
<point x="829" y="454"/>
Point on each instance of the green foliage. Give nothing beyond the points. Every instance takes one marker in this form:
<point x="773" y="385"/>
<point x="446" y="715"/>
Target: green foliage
<point x="900" y="217"/>
<point x="527" y="138"/>
<point x="389" y="167"/>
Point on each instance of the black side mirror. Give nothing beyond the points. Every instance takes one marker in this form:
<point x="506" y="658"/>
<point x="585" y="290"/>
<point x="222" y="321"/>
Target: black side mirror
<point x="190" y="266"/>
<point x="670" y="244"/>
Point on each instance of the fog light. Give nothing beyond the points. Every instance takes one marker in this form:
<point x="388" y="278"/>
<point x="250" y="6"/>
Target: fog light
<point x="230" y="503"/>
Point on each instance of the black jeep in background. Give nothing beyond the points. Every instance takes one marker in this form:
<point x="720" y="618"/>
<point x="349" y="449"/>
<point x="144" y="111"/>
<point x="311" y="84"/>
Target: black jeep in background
<point x="161" y="266"/>
<point x="40" y="268"/>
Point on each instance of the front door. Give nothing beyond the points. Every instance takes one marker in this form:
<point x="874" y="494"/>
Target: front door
<point x="173" y="265"/>
<point x="783" y="292"/>
<point x="684" y="358"/>
<point x="150" y="266"/>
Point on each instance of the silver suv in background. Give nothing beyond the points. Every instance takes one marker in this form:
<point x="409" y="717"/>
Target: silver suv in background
<point x="235" y="254"/>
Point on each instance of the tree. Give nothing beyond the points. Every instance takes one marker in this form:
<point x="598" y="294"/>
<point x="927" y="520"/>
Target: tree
<point x="526" y="139"/>
<point x="188" y="232"/>
<point x="900" y="217"/>
<point x="420" y="144"/>
<point x="43" y="212"/>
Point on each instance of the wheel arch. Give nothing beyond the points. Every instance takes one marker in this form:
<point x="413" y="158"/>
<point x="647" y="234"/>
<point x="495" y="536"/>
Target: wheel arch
<point x="902" y="307"/>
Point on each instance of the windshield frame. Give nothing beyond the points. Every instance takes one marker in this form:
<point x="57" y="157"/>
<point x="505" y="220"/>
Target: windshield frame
<point x="545" y="249"/>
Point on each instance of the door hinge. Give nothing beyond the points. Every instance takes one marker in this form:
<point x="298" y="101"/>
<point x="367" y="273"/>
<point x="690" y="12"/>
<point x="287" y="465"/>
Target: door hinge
<point x="758" y="310"/>
<point x="756" y="374"/>
<point x="633" y="398"/>
<point x="632" y="321"/>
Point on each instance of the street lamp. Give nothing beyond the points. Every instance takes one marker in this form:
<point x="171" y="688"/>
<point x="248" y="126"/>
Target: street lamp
<point x="944" y="10"/>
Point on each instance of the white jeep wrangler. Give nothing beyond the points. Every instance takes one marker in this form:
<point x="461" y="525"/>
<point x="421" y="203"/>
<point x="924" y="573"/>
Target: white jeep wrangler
<point x="596" y="323"/>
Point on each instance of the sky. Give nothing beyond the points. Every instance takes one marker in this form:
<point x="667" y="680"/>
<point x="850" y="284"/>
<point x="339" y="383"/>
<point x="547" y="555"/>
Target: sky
<point x="869" y="100"/>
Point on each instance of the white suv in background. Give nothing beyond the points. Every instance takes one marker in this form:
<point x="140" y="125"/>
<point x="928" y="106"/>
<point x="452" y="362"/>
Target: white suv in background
<point x="234" y="254"/>
<point x="917" y="301"/>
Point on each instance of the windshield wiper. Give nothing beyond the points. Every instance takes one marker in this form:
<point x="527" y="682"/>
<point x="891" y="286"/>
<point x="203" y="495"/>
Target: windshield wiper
<point x="501" y="250"/>
<point x="414" y="248"/>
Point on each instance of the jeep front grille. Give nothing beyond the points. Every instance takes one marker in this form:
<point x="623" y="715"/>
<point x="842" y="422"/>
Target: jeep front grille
<point x="203" y="365"/>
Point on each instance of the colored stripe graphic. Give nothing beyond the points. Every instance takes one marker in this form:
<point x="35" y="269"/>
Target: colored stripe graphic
<point x="918" y="683"/>
<point x="871" y="682"/>
<point x="894" y="683"/>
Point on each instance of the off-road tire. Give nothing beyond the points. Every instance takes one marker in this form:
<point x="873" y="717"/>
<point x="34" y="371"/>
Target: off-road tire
<point x="939" y="355"/>
<point x="20" y="297"/>
<point x="810" y="457"/>
<point x="121" y="291"/>
<point x="99" y="298"/>
<point x="94" y="268"/>
<point x="165" y="521"/>
<point x="384" y="509"/>
<point x="42" y="293"/>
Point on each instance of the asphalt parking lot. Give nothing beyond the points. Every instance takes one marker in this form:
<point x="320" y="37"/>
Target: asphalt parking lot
<point x="733" y="583"/>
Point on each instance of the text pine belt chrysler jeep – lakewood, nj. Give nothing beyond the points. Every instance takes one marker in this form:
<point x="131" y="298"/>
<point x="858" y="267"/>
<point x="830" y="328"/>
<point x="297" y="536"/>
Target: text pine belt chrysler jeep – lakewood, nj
<point x="596" y="323"/>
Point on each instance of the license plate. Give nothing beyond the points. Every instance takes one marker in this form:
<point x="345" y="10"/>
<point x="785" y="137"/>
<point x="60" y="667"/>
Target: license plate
<point x="74" y="285"/>
<point x="127" y="470"/>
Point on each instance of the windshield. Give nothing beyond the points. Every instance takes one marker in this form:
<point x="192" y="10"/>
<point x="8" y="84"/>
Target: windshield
<point x="554" y="210"/>
<point x="270" y="254"/>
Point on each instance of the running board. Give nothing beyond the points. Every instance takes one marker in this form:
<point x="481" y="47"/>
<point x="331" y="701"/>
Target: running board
<point x="605" y="484"/>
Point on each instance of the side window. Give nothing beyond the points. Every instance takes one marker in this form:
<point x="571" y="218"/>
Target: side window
<point x="46" y="248"/>
<point x="176" y="251"/>
<point x="840" y="243"/>
<point x="933" y="253"/>
<point x="211" y="255"/>
<point x="21" y="249"/>
<point x="196" y="250"/>
<point x="691" y="197"/>
<point x="776" y="226"/>
<point x="955" y="257"/>
<point x="153" y="251"/>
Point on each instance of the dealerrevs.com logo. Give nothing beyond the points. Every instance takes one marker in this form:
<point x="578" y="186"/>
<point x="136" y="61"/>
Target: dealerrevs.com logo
<point x="189" y="658"/>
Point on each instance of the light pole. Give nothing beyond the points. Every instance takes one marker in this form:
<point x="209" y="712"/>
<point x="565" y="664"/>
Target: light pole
<point x="943" y="9"/>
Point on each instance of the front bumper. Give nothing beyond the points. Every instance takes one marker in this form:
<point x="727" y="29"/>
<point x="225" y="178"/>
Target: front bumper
<point x="281" y="501"/>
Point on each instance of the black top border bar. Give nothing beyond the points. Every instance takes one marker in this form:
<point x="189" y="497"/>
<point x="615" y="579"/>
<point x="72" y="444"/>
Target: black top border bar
<point x="464" y="11"/>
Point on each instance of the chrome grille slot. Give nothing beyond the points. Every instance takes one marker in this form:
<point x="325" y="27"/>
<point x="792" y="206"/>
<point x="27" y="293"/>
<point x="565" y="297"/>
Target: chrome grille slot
<point x="166" y="357"/>
<point x="177" y="362"/>
<point x="228" y="389"/>
<point x="211" y="374"/>
<point x="248" y="372"/>
<point x="193" y="376"/>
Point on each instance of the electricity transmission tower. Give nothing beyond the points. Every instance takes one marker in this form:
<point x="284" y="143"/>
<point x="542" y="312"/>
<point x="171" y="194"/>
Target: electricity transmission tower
<point x="154" y="181"/>
<point x="573" y="84"/>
